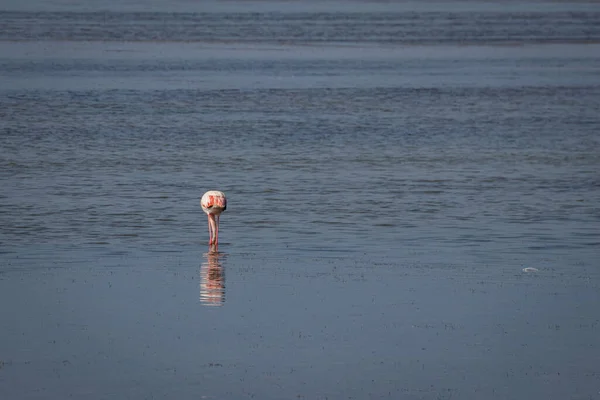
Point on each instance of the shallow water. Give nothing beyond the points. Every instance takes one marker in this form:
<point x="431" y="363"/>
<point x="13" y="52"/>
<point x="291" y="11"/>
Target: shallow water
<point x="412" y="189"/>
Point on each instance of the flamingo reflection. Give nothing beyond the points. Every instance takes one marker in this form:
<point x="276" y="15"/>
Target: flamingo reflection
<point x="212" y="279"/>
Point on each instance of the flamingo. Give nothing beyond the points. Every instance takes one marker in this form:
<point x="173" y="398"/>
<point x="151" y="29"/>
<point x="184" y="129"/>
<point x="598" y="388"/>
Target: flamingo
<point x="213" y="203"/>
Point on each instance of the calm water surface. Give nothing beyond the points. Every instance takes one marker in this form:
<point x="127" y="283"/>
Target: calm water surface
<point x="391" y="169"/>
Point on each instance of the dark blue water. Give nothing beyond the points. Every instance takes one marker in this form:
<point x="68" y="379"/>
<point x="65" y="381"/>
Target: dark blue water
<point x="392" y="170"/>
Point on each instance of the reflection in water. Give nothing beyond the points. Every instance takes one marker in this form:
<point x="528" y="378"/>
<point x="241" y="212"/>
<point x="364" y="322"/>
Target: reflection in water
<point x="212" y="279"/>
